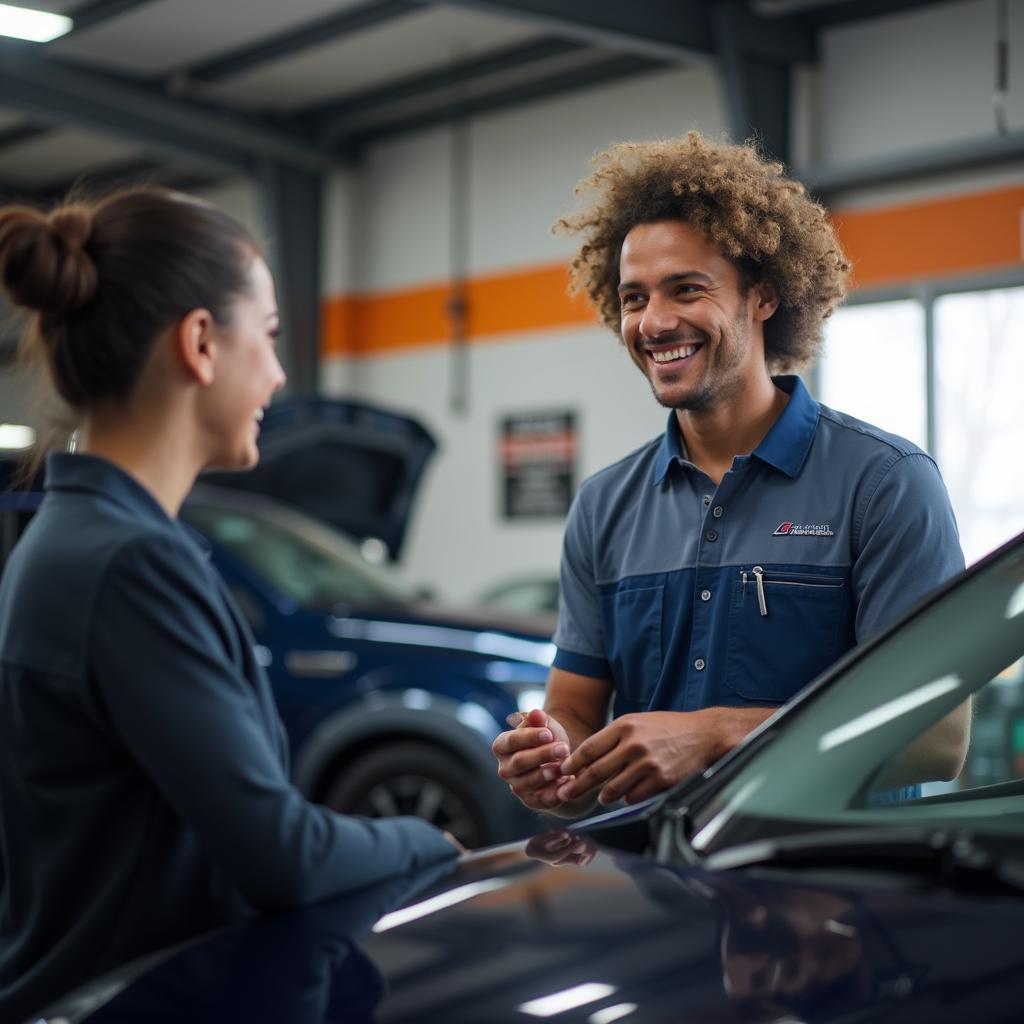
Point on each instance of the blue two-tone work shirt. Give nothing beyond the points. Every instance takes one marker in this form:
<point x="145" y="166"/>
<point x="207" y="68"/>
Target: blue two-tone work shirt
<point x="144" y="790"/>
<point x="687" y="595"/>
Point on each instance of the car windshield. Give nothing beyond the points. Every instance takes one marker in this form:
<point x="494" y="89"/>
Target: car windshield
<point x="308" y="561"/>
<point x="925" y="729"/>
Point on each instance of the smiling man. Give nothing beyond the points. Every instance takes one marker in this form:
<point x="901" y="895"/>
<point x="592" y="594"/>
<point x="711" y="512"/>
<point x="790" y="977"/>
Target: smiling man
<point x="711" y="574"/>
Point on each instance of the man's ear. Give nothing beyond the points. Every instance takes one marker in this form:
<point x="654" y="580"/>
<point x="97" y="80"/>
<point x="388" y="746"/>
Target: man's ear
<point x="766" y="300"/>
<point x="197" y="345"/>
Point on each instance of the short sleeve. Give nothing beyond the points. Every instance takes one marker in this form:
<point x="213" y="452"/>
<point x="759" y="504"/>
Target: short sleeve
<point x="906" y="542"/>
<point x="579" y="638"/>
<point x="189" y="716"/>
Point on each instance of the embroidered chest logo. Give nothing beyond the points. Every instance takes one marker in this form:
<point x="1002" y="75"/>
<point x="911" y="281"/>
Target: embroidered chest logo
<point x="803" y="530"/>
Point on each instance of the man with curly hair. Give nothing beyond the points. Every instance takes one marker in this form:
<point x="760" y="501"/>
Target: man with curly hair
<point x="711" y="574"/>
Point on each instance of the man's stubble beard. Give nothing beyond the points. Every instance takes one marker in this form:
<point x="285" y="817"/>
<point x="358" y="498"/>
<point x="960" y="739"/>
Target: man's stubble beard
<point x="716" y="385"/>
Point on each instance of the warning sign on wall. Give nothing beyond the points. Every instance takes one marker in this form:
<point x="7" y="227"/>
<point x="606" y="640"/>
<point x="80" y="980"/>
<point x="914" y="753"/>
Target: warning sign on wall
<point x="538" y="462"/>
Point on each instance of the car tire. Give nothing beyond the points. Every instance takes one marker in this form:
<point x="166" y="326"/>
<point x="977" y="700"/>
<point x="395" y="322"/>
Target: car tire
<point x="412" y="778"/>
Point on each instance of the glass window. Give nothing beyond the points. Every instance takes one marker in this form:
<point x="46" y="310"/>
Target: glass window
<point x="874" y="366"/>
<point x="898" y="717"/>
<point x="979" y="355"/>
<point x="303" y="559"/>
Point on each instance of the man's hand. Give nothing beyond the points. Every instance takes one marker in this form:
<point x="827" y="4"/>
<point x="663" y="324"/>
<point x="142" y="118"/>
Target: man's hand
<point x="529" y="757"/>
<point x="641" y="754"/>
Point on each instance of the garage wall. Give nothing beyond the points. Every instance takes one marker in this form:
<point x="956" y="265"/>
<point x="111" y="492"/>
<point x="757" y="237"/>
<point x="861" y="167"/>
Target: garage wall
<point x="387" y="330"/>
<point x="527" y="357"/>
<point x="913" y="81"/>
<point x="916" y="79"/>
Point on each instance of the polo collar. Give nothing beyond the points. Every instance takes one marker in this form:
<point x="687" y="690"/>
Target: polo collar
<point x="96" y="475"/>
<point x="784" y="447"/>
<point x="670" y="450"/>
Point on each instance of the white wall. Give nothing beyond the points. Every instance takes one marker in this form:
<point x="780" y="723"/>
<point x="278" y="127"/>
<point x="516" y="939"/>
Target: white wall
<point x="19" y="401"/>
<point x="917" y="79"/>
<point x="239" y="198"/>
<point x="914" y="81"/>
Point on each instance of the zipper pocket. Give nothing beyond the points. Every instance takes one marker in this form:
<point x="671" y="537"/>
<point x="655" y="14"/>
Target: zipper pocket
<point x="816" y="582"/>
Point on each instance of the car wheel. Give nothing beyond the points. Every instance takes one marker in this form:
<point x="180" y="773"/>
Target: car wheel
<point x="416" y="779"/>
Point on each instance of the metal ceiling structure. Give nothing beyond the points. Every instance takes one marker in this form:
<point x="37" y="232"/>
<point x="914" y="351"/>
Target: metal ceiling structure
<point x="185" y="93"/>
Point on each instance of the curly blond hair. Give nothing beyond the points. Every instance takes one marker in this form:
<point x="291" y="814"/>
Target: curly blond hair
<point x="763" y="222"/>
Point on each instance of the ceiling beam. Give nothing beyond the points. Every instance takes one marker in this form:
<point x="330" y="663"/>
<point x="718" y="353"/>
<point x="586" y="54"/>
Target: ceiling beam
<point x="540" y="88"/>
<point x="103" y="179"/>
<point x="211" y="140"/>
<point x="674" y="30"/>
<point x="89" y="15"/>
<point x="757" y="92"/>
<point x="976" y="154"/>
<point x="285" y="44"/>
<point x="330" y="121"/>
<point x="858" y="10"/>
<point x="24" y="132"/>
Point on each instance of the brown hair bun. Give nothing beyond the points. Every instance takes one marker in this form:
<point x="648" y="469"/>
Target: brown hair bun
<point x="44" y="264"/>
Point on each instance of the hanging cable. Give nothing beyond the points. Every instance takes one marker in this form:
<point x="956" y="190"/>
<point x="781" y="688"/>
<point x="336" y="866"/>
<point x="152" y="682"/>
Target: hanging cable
<point x="1002" y="84"/>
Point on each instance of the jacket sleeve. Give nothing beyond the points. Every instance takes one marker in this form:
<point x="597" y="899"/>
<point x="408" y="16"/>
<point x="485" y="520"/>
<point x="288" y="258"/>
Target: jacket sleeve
<point x="190" y="717"/>
<point x="906" y="541"/>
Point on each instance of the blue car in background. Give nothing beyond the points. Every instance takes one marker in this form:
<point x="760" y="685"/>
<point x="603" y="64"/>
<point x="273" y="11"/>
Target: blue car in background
<point x="391" y="701"/>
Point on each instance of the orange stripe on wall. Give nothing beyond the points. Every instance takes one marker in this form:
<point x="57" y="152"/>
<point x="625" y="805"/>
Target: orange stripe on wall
<point x="515" y="302"/>
<point x="934" y="238"/>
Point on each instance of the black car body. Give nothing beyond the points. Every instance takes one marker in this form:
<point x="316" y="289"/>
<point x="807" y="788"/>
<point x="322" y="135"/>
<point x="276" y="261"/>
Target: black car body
<point x="775" y="887"/>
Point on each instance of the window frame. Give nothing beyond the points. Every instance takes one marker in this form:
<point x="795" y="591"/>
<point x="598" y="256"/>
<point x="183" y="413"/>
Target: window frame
<point x="926" y="293"/>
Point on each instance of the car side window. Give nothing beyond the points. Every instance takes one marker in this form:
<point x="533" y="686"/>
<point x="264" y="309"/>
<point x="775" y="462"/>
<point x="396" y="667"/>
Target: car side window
<point x="282" y="557"/>
<point x="975" y="751"/>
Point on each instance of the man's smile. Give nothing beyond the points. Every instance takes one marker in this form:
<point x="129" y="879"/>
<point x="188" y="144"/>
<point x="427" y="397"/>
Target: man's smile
<point x="673" y="355"/>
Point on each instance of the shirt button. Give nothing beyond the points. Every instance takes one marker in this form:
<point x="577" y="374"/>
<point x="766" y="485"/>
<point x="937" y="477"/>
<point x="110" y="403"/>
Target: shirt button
<point x="717" y="512"/>
<point x="705" y="595"/>
<point x="699" y="664"/>
<point x="711" y="535"/>
<point x="707" y="500"/>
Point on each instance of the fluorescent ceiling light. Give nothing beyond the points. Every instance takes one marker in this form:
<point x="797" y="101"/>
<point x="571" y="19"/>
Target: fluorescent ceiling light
<point x="35" y="26"/>
<point x="440" y="902"/>
<point x="569" y="999"/>
<point x="15" y="437"/>
<point x="878" y="717"/>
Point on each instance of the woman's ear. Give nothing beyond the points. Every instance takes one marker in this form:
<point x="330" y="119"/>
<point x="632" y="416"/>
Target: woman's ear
<point x="766" y="300"/>
<point x="197" y="345"/>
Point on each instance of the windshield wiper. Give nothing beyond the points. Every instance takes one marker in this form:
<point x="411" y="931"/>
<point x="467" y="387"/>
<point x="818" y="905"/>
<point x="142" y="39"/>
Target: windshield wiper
<point x="954" y="857"/>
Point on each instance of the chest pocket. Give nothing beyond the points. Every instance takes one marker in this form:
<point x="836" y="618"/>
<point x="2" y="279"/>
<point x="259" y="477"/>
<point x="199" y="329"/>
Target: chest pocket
<point x="632" y="634"/>
<point x="785" y="627"/>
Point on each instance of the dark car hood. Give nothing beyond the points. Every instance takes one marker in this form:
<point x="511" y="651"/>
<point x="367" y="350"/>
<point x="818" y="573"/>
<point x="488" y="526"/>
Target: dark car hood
<point x="674" y="944"/>
<point x="354" y="465"/>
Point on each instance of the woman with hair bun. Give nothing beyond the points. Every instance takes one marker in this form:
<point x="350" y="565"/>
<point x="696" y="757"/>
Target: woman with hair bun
<point x="144" y="790"/>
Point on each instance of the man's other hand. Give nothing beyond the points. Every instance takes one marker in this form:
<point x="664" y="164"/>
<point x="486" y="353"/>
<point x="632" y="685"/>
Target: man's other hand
<point x="641" y="754"/>
<point x="529" y="759"/>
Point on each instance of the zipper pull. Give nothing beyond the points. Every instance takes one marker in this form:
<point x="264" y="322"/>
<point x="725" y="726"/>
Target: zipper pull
<point x="759" y="579"/>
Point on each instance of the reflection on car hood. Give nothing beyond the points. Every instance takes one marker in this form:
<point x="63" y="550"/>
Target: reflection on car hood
<point x="540" y="625"/>
<point x="564" y="929"/>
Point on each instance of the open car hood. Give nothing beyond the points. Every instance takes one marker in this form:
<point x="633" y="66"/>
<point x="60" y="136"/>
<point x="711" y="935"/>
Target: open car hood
<point x="354" y="465"/>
